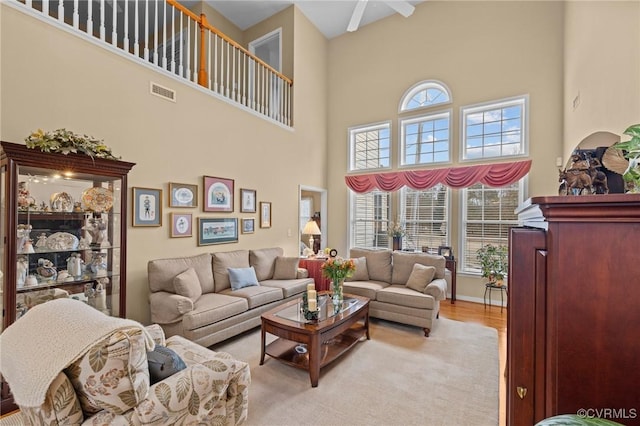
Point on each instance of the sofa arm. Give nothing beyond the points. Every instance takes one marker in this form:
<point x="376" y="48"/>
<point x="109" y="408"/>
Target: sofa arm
<point x="167" y="308"/>
<point x="437" y="289"/>
<point x="302" y="273"/>
<point x="157" y="334"/>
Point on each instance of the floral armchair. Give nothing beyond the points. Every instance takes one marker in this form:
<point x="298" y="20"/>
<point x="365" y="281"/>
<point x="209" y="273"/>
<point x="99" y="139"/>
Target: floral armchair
<point x="110" y="384"/>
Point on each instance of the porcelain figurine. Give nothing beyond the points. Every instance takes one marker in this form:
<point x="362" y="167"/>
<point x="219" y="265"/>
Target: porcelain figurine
<point x="31" y="280"/>
<point x="46" y="269"/>
<point x="74" y="265"/>
<point x="41" y="244"/>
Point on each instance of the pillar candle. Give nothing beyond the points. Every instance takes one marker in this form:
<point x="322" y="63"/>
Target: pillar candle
<point x="312" y="305"/>
<point x="311" y="286"/>
<point x="311" y="294"/>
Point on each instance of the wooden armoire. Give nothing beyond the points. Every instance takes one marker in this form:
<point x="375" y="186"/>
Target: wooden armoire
<point x="573" y="334"/>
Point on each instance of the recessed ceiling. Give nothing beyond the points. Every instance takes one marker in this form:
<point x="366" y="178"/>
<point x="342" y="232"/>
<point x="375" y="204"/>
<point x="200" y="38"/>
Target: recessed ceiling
<point x="331" y="17"/>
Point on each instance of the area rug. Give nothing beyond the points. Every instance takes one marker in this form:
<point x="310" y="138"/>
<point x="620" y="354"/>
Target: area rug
<point x="399" y="377"/>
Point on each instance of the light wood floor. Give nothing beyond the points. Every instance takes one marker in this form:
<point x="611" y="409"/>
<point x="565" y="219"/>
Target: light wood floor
<point x="491" y="317"/>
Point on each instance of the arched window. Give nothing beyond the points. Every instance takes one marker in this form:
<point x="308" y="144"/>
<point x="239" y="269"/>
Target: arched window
<point x="425" y="94"/>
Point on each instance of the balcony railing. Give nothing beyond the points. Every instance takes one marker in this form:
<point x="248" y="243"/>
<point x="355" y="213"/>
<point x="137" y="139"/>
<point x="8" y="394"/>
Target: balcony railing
<point x="168" y="35"/>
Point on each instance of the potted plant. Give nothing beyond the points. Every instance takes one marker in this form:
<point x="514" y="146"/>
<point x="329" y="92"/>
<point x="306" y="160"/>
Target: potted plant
<point x="396" y="231"/>
<point x="493" y="262"/>
<point x="631" y="149"/>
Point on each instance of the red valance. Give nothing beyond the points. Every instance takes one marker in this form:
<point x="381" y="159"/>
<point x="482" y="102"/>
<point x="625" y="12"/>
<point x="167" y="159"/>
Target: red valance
<point x="495" y="175"/>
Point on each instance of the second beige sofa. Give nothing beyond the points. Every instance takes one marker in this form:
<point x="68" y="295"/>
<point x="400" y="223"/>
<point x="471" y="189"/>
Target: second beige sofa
<point x="399" y="290"/>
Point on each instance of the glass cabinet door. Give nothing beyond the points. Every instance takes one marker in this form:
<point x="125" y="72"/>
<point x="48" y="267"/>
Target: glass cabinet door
<point x="67" y="239"/>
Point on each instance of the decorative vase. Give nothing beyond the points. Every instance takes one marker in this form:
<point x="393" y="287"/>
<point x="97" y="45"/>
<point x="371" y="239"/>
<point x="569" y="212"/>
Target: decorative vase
<point x="336" y="288"/>
<point x="397" y="243"/>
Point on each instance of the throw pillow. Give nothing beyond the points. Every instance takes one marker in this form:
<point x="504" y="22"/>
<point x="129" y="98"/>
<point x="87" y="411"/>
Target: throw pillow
<point x="361" y="273"/>
<point x="242" y="277"/>
<point x="286" y="268"/>
<point x="420" y="277"/>
<point x="163" y="362"/>
<point x="187" y="284"/>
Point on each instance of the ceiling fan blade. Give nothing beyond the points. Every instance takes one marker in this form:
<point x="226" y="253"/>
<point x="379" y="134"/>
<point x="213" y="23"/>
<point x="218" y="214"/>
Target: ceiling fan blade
<point x="358" y="11"/>
<point x="402" y="7"/>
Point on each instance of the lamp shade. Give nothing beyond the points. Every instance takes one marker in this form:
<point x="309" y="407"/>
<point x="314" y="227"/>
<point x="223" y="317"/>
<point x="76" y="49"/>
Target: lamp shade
<point x="311" y="228"/>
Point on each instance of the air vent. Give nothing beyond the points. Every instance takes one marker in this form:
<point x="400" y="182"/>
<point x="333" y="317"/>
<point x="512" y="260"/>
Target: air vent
<point x="163" y="92"/>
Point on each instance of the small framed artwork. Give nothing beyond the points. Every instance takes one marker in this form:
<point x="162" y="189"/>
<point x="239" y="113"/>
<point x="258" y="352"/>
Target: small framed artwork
<point x="248" y="226"/>
<point x="218" y="194"/>
<point x="147" y="207"/>
<point x="183" y="195"/>
<point x="247" y="200"/>
<point x="265" y="214"/>
<point x="445" y="251"/>
<point x="181" y="225"/>
<point x="217" y="231"/>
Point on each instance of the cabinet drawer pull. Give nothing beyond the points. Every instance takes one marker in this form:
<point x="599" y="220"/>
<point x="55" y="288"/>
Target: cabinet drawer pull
<point x="521" y="392"/>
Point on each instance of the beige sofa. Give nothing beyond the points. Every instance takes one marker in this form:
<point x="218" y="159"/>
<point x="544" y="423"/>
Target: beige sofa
<point x="399" y="290"/>
<point x="192" y="296"/>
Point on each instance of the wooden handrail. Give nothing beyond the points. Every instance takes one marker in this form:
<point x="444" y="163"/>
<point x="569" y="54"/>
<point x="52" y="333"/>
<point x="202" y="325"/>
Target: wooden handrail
<point x="202" y="21"/>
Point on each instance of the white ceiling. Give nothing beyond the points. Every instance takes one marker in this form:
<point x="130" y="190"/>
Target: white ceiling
<point x="331" y="17"/>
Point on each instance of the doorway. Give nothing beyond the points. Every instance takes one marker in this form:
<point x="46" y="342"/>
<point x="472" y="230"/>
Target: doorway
<point x="269" y="49"/>
<point x="312" y="205"/>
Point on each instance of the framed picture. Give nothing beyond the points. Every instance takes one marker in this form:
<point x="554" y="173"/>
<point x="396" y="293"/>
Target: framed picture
<point x="181" y="225"/>
<point x="183" y="195"/>
<point x="147" y="207"/>
<point x="218" y="194"/>
<point x="445" y="251"/>
<point x="217" y="231"/>
<point x="265" y="214"/>
<point x="248" y="226"/>
<point x="247" y="200"/>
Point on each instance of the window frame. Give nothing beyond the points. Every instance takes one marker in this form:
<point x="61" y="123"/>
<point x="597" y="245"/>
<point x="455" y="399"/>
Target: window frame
<point x="463" y="263"/>
<point x="384" y="222"/>
<point x="435" y="115"/>
<point x="402" y="209"/>
<point x="352" y="131"/>
<point x="418" y="87"/>
<point x="490" y="105"/>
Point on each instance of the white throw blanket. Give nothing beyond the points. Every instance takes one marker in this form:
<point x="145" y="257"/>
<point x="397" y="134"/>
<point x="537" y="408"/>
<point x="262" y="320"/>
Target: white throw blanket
<point x="51" y="336"/>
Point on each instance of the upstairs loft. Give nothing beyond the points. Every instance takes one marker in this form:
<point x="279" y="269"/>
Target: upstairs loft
<point x="177" y="41"/>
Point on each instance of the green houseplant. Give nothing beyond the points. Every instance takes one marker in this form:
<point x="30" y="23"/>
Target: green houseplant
<point x="631" y="149"/>
<point x="493" y="262"/>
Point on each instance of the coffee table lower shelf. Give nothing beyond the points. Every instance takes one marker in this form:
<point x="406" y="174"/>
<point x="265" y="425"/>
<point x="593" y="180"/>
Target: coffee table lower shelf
<point x="284" y="350"/>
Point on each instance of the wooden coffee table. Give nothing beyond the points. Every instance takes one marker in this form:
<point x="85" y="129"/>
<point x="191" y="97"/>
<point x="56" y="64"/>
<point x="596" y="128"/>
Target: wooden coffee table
<point x="311" y="345"/>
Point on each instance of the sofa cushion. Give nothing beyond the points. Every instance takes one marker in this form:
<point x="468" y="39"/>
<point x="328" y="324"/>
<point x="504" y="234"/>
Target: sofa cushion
<point x="286" y="268"/>
<point x="257" y="295"/>
<point x="161" y="272"/>
<point x="224" y="260"/>
<point x="213" y="307"/>
<point x="420" y="277"/>
<point x="403" y="265"/>
<point x="364" y="288"/>
<point x="242" y="277"/>
<point x="361" y="273"/>
<point x="378" y="263"/>
<point x="289" y="287"/>
<point x="187" y="284"/>
<point x="113" y="374"/>
<point x="403" y="296"/>
<point x="263" y="260"/>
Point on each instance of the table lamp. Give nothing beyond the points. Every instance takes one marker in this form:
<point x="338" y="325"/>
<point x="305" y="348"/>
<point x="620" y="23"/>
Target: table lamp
<point x="311" y="229"/>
